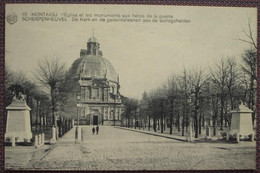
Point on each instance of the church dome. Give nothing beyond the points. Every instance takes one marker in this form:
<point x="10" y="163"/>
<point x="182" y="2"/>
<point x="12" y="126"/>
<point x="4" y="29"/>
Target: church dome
<point x="96" y="66"/>
<point x="91" y="63"/>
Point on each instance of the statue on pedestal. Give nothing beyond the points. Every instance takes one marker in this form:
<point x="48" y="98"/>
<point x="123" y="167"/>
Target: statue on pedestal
<point x="18" y="125"/>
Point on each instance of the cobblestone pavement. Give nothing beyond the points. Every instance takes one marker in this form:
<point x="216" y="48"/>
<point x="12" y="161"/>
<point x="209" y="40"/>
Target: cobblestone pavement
<point x="118" y="149"/>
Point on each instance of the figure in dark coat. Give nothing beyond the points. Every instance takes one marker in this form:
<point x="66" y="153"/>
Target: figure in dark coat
<point x="93" y="130"/>
<point x="97" y="129"/>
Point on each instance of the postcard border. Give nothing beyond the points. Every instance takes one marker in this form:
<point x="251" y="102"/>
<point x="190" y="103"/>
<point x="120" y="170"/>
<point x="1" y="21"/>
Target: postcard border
<point x="218" y="3"/>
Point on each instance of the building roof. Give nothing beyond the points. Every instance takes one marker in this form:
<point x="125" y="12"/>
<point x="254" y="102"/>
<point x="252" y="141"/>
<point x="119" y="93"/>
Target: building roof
<point x="92" y="66"/>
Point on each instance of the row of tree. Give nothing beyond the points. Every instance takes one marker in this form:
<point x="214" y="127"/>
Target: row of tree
<point x="199" y="96"/>
<point x="48" y="94"/>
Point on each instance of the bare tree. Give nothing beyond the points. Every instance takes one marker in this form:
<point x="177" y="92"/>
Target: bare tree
<point x="197" y="80"/>
<point x="219" y="77"/>
<point x="249" y="67"/>
<point x="185" y="90"/>
<point x="232" y="80"/>
<point x="250" y="64"/>
<point x="51" y="74"/>
<point x="144" y="109"/>
<point x="130" y="109"/>
<point x="250" y="36"/>
<point x="173" y="93"/>
<point x="156" y="107"/>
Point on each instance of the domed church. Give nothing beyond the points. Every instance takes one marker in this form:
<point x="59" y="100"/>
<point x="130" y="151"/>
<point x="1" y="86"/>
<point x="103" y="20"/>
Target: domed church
<point x="100" y="101"/>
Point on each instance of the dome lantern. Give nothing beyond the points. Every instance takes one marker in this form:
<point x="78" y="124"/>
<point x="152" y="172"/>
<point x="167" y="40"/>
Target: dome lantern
<point x="93" y="46"/>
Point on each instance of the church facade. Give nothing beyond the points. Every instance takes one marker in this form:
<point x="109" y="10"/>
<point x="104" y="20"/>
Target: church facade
<point x="100" y="102"/>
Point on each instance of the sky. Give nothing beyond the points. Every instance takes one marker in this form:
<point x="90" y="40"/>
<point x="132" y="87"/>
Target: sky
<point x="143" y="54"/>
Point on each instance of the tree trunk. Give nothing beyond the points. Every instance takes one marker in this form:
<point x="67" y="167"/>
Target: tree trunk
<point x="178" y="122"/>
<point x="187" y="122"/>
<point x="171" y="123"/>
<point x="141" y="121"/>
<point x="203" y="121"/>
<point x="53" y="107"/>
<point x="31" y="121"/>
<point x="164" y="123"/>
<point x="196" y="125"/>
<point x="200" y="123"/>
<point x="171" y="117"/>
<point x="37" y="115"/>
<point x="161" y="116"/>
<point x="154" y="124"/>
<point x="43" y="123"/>
<point x="40" y="120"/>
<point x="158" y="123"/>
<point x="63" y="126"/>
<point x="59" y="125"/>
<point x="221" y="113"/>
<point x="149" y="123"/>
<point x="214" y="127"/>
<point x="183" y="124"/>
<point x="135" y="119"/>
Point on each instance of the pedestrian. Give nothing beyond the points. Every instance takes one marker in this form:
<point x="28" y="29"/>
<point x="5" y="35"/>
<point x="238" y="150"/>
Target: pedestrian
<point x="93" y="130"/>
<point x="97" y="129"/>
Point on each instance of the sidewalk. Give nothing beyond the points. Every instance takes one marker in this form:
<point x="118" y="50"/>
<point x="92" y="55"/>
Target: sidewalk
<point x="174" y="136"/>
<point x="165" y="135"/>
<point x="20" y="157"/>
<point x="68" y="137"/>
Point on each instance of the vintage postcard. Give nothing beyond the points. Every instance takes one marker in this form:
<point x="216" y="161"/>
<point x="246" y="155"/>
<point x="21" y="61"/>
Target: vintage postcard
<point x="130" y="87"/>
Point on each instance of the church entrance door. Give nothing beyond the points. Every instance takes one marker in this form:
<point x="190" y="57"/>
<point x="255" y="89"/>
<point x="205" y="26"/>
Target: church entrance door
<point x="95" y="120"/>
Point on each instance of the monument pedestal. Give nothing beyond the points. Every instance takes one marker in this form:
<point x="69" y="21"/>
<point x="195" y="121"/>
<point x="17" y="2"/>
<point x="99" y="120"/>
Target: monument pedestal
<point x="241" y="123"/>
<point x="53" y="136"/>
<point x="18" y="123"/>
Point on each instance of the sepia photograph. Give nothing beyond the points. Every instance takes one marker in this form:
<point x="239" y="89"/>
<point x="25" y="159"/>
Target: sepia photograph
<point x="130" y="87"/>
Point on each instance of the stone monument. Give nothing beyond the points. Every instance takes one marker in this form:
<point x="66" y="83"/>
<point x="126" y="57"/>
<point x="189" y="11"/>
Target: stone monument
<point x="241" y="123"/>
<point x="18" y="125"/>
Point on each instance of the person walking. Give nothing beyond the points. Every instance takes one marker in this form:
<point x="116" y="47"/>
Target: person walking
<point x="93" y="130"/>
<point x="97" y="129"/>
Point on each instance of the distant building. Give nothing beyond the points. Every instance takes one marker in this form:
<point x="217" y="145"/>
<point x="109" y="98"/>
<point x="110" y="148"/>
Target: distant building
<point x="99" y="87"/>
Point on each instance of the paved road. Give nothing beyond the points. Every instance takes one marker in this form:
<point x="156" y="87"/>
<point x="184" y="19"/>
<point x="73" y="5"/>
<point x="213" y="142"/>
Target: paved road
<point x="118" y="149"/>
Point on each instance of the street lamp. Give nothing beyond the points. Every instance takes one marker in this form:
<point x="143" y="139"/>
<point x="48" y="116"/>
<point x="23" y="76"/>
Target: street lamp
<point x="78" y="99"/>
<point x="78" y="130"/>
